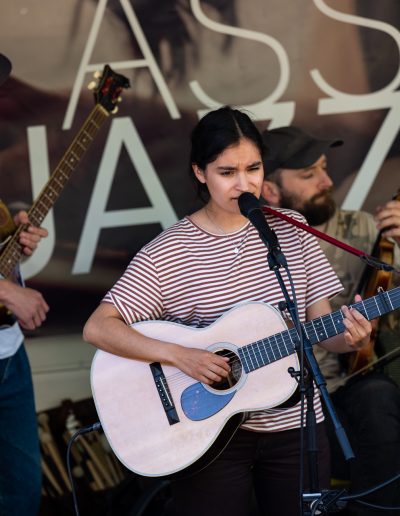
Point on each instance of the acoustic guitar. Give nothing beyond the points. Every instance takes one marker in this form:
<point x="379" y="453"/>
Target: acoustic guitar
<point x="160" y="421"/>
<point x="107" y="94"/>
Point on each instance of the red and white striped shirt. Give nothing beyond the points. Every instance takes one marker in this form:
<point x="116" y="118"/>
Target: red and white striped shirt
<point x="190" y="276"/>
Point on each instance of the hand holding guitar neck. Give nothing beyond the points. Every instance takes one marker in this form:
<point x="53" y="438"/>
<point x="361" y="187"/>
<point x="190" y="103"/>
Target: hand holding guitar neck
<point x="23" y="239"/>
<point x="107" y="95"/>
<point x="29" y="236"/>
<point x="27" y="305"/>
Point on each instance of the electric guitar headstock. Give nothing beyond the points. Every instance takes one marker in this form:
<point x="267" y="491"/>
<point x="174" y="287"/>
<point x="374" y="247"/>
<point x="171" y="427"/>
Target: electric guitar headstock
<point x="107" y="90"/>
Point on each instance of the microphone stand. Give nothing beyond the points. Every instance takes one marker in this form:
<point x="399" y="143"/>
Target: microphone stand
<point x="276" y="260"/>
<point x="329" y="499"/>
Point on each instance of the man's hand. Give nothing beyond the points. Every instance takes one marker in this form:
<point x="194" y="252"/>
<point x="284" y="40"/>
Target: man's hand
<point x="387" y="219"/>
<point x="28" y="305"/>
<point x="30" y="238"/>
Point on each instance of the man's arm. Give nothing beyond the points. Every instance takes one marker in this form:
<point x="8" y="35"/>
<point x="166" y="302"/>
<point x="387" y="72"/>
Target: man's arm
<point x="28" y="305"/>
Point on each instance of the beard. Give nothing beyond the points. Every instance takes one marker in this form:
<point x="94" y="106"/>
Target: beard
<point x="317" y="210"/>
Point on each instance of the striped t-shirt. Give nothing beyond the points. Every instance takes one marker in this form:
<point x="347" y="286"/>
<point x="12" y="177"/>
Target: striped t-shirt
<point x="190" y="276"/>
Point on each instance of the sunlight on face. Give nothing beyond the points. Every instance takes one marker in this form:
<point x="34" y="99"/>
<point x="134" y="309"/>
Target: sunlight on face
<point x="236" y="170"/>
<point x="308" y="191"/>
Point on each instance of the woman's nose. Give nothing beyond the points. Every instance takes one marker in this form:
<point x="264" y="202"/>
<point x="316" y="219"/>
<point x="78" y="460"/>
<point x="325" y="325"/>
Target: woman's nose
<point x="242" y="182"/>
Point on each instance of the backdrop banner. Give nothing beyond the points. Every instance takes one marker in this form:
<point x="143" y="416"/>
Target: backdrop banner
<point x="331" y="68"/>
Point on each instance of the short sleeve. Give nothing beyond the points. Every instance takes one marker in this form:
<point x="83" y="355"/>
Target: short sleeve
<point x="137" y="294"/>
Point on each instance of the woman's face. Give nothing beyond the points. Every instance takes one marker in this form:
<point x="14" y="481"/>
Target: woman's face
<point x="236" y="170"/>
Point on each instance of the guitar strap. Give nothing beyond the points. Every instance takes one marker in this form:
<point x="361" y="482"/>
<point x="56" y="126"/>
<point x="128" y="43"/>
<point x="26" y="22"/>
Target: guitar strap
<point x="370" y="260"/>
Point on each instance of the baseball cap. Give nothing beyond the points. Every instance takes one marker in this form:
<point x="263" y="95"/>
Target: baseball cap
<point x="291" y="147"/>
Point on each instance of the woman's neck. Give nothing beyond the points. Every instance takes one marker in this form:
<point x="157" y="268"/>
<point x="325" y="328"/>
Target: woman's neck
<point x="218" y="221"/>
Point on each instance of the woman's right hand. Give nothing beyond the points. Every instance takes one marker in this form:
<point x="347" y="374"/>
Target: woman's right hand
<point x="201" y="365"/>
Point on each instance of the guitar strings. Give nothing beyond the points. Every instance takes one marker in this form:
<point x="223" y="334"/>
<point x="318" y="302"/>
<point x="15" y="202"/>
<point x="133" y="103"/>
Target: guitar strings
<point x="180" y="377"/>
<point x="393" y="298"/>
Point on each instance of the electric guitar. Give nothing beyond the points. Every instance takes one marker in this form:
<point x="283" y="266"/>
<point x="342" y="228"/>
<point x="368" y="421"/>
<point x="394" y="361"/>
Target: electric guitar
<point x="107" y="94"/>
<point x="160" y="421"/>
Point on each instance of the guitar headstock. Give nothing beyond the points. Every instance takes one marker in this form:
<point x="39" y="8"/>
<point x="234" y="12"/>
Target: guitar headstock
<point x="108" y="88"/>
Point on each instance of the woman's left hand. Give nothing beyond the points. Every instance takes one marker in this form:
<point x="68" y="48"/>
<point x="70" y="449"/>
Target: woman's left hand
<point x="358" y="329"/>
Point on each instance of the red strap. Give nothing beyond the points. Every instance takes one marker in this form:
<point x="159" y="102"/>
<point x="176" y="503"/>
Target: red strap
<point x="348" y="248"/>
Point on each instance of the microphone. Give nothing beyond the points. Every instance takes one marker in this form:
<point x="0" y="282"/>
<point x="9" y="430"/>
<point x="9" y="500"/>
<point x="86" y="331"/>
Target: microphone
<point x="250" y="208"/>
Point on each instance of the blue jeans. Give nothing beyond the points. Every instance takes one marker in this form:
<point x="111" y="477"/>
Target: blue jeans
<point x="20" y="470"/>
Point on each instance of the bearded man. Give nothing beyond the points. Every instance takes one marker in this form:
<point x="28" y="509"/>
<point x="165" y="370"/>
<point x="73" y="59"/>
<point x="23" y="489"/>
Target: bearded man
<point x="296" y="177"/>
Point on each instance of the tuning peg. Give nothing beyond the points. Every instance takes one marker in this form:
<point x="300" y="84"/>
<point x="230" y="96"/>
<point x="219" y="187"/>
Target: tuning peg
<point x="115" y="110"/>
<point x="92" y="85"/>
<point x="97" y="74"/>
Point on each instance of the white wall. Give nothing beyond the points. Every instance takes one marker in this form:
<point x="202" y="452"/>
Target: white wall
<point x="60" y="369"/>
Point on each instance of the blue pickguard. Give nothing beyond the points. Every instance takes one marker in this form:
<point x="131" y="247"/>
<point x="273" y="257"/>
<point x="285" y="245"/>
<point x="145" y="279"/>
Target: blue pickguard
<point x="198" y="403"/>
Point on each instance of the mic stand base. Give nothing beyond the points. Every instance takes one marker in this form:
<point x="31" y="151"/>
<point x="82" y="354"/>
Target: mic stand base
<point x="325" y="502"/>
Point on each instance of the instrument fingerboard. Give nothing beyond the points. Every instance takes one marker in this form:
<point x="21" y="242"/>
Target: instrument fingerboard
<point x="55" y="185"/>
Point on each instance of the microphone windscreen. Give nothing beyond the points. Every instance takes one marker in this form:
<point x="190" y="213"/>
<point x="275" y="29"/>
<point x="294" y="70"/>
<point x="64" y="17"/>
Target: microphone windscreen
<point x="248" y="203"/>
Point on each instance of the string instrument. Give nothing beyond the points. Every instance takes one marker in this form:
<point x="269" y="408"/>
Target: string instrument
<point x="160" y="421"/>
<point x="372" y="281"/>
<point x="107" y="94"/>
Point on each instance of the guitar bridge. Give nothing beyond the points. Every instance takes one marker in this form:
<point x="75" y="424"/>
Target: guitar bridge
<point x="164" y="393"/>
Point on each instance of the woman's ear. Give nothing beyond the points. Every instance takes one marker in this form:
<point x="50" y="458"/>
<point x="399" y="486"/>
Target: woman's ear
<point x="198" y="173"/>
<point x="271" y="193"/>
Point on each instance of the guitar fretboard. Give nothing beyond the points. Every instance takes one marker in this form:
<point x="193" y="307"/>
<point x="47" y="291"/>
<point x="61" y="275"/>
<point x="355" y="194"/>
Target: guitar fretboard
<point x="273" y="348"/>
<point x="54" y="186"/>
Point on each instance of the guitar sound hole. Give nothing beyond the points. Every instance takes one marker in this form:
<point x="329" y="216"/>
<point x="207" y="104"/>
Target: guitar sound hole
<point x="235" y="372"/>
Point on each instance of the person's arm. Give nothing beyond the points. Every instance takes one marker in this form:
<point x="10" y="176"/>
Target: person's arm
<point x="28" y="305"/>
<point x="106" y="330"/>
<point x="358" y="328"/>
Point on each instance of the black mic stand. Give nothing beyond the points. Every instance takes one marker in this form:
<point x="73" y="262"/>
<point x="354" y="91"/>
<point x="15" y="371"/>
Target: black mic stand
<point x="276" y="260"/>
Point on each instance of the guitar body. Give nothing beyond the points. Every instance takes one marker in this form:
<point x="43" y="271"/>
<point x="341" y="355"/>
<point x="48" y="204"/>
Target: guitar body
<point x="151" y="442"/>
<point x="7" y="226"/>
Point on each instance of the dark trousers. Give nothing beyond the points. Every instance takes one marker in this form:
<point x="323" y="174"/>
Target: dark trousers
<point x="20" y="470"/>
<point x="369" y="409"/>
<point x="264" y="463"/>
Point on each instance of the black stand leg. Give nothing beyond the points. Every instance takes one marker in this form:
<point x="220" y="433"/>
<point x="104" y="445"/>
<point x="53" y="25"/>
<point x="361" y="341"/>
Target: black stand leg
<point x="312" y="446"/>
<point x="307" y="377"/>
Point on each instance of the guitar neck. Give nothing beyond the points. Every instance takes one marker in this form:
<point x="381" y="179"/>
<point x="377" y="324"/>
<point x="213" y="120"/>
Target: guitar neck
<point x="263" y="352"/>
<point x="12" y="253"/>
